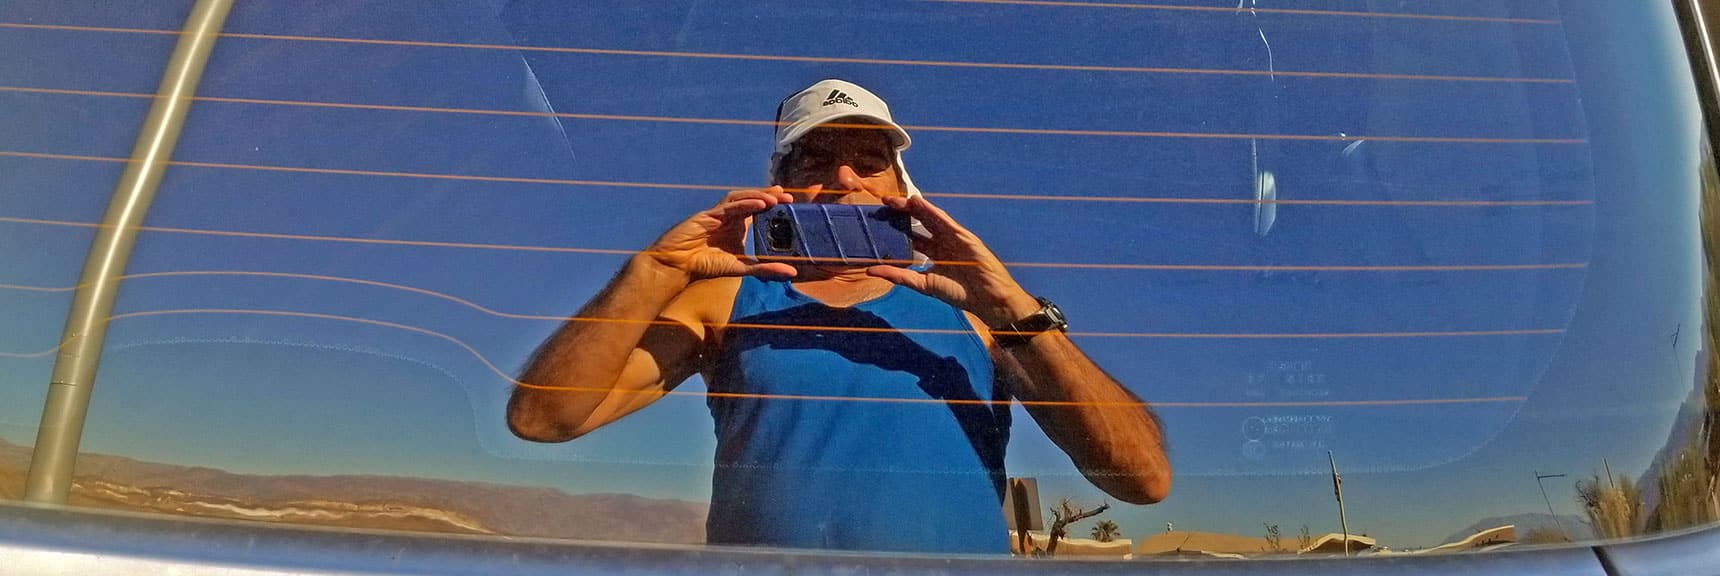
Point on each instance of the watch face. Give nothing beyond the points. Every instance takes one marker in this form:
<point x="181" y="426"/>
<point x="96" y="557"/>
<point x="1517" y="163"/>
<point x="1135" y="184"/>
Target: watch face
<point x="1056" y="314"/>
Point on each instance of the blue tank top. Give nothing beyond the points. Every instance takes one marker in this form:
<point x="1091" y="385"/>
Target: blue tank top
<point x="904" y="471"/>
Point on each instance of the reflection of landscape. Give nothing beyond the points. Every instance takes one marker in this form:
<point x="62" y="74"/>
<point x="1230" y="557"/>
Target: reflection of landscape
<point x="1491" y="533"/>
<point x="378" y="502"/>
<point x="444" y="506"/>
<point x="424" y="505"/>
<point x="1678" y="490"/>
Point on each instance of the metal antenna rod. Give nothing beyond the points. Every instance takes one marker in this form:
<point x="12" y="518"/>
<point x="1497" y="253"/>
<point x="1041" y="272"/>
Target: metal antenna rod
<point x="1338" y="491"/>
<point x="1538" y="477"/>
<point x="62" y="425"/>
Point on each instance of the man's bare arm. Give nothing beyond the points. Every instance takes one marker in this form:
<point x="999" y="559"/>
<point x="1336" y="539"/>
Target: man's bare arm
<point x="614" y="358"/>
<point x="596" y="363"/>
<point x="1111" y="435"/>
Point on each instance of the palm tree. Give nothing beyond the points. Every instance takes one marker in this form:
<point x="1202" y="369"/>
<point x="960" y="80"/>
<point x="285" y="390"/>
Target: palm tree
<point x="1106" y="531"/>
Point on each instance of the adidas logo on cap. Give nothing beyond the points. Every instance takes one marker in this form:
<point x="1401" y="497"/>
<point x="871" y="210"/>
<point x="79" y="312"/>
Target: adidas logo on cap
<point x="836" y="96"/>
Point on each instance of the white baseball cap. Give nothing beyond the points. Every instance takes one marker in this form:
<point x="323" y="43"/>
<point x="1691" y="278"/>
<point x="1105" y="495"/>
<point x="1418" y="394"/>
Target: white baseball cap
<point x="830" y="101"/>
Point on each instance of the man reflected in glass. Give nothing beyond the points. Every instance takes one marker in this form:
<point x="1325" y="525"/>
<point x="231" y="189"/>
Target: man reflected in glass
<point x="856" y="407"/>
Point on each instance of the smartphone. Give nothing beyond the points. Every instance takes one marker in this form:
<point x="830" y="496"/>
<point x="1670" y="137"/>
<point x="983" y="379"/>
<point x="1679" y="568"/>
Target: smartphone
<point x="845" y="234"/>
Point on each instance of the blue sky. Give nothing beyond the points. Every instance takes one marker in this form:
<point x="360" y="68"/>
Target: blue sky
<point x="275" y="394"/>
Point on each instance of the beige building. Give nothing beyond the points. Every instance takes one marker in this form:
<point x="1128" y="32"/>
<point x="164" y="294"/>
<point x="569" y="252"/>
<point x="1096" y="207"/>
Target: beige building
<point x="1213" y="544"/>
<point x="1073" y="547"/>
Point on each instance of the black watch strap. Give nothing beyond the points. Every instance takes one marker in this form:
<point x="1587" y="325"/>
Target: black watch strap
<point x="1048" y="318"/>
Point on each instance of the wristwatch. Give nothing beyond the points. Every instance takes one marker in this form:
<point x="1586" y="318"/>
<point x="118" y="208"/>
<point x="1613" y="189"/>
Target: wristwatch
<point x="1048" y="318"/>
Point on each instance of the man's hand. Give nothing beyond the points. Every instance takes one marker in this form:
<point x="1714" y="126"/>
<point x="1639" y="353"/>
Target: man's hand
<point x="1108" y="432"/>
<point x="709" y="244"/>
<point x="966" y="274"/>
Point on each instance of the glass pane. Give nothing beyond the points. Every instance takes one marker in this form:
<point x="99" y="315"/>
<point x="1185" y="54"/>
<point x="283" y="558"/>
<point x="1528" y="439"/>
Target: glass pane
<point x="1449" y="252"/>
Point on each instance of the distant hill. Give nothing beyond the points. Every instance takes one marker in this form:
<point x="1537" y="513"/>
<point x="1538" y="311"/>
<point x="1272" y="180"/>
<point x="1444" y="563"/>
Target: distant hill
<point x="1574" y="525"/>
<point x="387" y="502"/>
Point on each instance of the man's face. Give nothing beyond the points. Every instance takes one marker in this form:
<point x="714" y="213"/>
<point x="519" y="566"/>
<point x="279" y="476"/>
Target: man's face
<point x="841" y="165"/>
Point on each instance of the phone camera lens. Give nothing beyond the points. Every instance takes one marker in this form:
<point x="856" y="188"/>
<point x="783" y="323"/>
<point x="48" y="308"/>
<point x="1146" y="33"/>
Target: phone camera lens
<point x="780" y="233"/>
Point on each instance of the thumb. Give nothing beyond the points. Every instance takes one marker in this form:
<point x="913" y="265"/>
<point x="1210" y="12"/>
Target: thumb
<point x="900" y="276"/>
<point x="770" y="270"/>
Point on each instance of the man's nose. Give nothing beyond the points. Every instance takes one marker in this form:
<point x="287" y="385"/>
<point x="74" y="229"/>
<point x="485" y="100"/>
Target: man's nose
<point x="845" y="178"/>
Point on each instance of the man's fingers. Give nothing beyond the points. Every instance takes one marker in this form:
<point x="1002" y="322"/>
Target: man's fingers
<point x="771" y="195"/>
<point x="741" y="208"/>
<point x="771" y="190"/>
<point x="900" y="276"/>
<point x="923" y="208"/>
<point x="771" y="270"/>
<point x="934" y="219"/>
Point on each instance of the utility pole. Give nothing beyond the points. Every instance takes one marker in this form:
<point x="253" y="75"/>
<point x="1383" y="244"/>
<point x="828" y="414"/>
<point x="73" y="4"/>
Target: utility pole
<point x="1338" y="491"/>
<point x="62" y="426"/>
<point x="1538" y="477"/>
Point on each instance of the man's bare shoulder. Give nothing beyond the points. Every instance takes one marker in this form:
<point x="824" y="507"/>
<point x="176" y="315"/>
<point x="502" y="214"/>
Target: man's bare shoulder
<point x="704" y="306"/>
